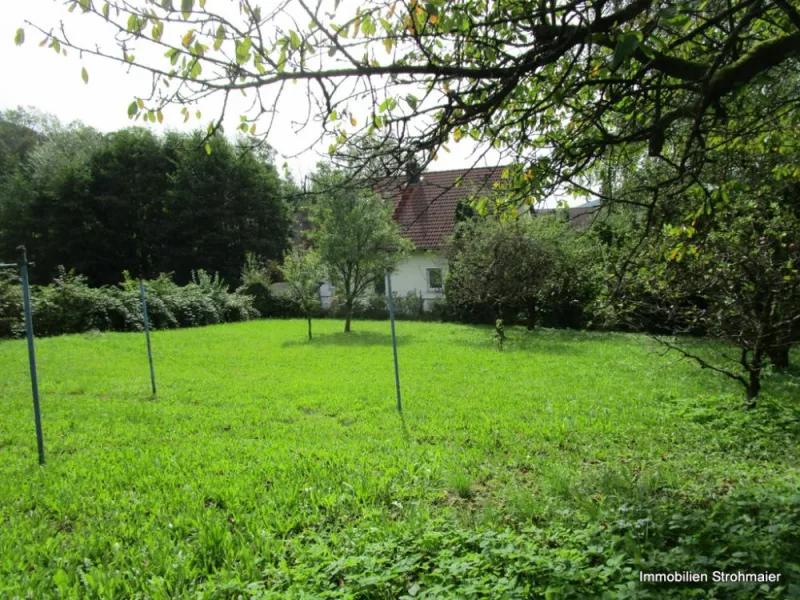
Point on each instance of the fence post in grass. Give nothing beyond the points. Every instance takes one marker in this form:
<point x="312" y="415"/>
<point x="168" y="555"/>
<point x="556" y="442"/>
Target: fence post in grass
<point x="26" y="300"/>
<point x="147" y="336"/>
<point x="394" y="341"/>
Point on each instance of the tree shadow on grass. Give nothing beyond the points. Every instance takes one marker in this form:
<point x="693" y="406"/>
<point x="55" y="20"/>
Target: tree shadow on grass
<point x="354" y="338"/>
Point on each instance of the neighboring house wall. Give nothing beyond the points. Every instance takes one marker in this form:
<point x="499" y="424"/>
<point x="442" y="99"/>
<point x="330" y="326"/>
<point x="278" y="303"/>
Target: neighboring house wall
<point x="412" y="275"/>
<point x="325" y="294"/>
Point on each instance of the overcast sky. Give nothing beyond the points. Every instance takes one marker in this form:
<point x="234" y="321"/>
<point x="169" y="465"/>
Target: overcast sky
<point x="39" y="77"/>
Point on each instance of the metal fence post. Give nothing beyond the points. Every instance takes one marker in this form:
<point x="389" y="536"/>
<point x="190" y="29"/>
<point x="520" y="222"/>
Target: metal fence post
<point x="147" y="336"/>
<point x="394" y="341"/>
<point x="26" y="299"/>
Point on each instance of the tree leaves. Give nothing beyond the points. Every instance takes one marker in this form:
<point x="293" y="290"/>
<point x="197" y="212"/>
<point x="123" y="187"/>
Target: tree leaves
<point x="196" y="69"/>
<point x="19" y="38"/>
<point x="158" y="30"/>
<point x="219" y="38"/>
<point x="133" y="109"/>
<point x="186" y="8"/>
<point x="85" y="75"/>
<point x="173" y="55"/>
<point x="627" y="44"/>
<point x="136" y="24"/>
<point x="243" y="50"/>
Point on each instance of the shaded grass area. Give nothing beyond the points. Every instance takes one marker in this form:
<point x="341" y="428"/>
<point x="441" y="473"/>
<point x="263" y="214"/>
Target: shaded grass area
<point x="271" y="466"/>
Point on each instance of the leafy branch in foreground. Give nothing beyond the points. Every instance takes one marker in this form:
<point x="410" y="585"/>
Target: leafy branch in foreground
<point x="553" y="87"/>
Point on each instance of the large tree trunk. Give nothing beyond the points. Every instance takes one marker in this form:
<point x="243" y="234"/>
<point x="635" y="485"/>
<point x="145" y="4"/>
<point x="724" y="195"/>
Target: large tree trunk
<point x="309" y="326"/>
<point x="348" y="315"/>
<point x="779" y="356"/>
<point x="531" y="319"/>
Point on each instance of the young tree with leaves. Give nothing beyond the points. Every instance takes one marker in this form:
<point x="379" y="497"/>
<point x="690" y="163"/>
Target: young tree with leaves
<point x="304" y="274"/>
<point x="354" y="234"/>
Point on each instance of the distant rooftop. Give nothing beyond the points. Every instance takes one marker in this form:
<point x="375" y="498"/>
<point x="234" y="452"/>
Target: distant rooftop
<point x="426" y="210"/>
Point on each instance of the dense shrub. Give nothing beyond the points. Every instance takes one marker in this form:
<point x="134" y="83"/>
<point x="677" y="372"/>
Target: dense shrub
<point x="440" y="310"/>
<point x="374" y="307"/>
<point x="11" y="324"/>
<point x="257" y="278"/>
<point x="69" y="305"/>
<point x="542" y="269"/>
<point x="410" y="307"/>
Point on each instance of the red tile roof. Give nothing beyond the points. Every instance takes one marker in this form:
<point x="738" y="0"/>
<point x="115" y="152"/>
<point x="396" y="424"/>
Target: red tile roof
<point x="426" y="211"/>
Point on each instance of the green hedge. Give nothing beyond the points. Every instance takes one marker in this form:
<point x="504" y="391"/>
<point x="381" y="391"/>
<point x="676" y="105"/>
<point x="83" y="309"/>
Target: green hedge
<point x="69" y="305"/>
<point x="410" y="307"/>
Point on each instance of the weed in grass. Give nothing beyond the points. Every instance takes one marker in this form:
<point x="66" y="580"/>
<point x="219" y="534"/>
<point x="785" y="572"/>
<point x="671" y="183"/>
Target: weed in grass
<point x="460" y="484"/>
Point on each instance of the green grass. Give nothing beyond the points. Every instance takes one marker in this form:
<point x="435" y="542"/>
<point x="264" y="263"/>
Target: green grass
<point x="271" y="466"/>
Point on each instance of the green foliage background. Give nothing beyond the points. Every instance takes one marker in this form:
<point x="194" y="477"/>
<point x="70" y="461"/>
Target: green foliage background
<point x="130" y="200"/>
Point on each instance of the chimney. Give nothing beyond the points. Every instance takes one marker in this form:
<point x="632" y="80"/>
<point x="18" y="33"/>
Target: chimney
<point x="413" y="171"/>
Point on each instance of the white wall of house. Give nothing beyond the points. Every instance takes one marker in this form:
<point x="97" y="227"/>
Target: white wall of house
<point x="412" y="275"/>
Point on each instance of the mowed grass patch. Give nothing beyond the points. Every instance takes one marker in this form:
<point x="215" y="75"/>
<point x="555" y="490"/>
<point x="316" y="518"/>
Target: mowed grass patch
<point x="274" y="466"/>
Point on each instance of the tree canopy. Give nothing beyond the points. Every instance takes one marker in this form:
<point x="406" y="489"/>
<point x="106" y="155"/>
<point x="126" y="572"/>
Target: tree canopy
<point x="728" y="269"/>
<point x="556" y="87"/>
<point x="132" y="201"/>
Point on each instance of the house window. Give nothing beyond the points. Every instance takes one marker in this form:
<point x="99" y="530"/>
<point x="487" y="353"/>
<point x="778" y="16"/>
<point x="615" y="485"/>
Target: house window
<point x="435" y="279"/>
<point x="380" y="287"/>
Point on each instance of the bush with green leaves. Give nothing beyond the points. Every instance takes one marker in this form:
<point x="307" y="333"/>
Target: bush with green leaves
<point x="542" y="267"/>
<point x="410" y="307"/>
<point x="11" y="324"/>
<point x="70" y="305"/>
<point x="257" y="278"/>
<point x="373" y="307"/>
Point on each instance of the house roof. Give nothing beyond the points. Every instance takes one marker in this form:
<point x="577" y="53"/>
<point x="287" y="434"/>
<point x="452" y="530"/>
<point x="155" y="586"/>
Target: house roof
<point x="426" y="210"/>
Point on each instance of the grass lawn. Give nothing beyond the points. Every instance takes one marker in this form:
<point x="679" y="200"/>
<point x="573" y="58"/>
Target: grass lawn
<point x="271" y="466"/>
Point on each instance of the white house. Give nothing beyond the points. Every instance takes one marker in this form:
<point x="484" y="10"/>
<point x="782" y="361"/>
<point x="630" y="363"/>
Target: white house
<point x="425" y="208"/>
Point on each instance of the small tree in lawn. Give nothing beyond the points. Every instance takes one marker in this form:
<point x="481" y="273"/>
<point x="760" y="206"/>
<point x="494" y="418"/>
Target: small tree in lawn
<point x="354" y="234"/>
<point x="303" y="273"/>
